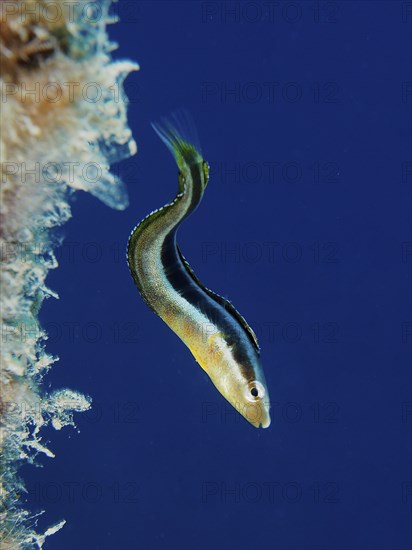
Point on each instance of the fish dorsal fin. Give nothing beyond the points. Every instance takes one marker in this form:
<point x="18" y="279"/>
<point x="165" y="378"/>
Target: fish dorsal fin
<point x="229" y="307"/>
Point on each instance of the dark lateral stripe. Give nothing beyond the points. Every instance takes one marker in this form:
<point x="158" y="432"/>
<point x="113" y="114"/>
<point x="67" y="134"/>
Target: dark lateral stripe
<point x="226" y="304"/>
<point x="174" y="269"/>
<point x="176" y="274"/>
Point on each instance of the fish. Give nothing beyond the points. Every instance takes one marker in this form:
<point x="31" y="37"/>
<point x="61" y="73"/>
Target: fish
<point x="219" y="338"/>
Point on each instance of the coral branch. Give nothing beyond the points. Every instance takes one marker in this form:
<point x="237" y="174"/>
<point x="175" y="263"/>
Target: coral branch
<point x="63" y="123"/>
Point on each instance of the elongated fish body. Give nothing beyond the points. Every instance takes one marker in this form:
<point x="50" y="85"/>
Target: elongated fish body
<point x="217" y="335"/>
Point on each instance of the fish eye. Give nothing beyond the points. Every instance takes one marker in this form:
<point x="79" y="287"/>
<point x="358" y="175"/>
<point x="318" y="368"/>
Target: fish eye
<point x="255" y="390"/>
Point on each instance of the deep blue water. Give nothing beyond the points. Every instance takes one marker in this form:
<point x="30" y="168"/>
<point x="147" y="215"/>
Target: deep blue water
<point x="304" y="113"/>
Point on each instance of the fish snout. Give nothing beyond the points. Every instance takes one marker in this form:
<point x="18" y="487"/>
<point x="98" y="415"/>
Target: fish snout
<point x="257" y="413"/>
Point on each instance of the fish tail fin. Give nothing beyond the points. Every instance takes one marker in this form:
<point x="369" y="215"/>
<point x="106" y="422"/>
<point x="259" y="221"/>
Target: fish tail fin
<point x="178" y="133"/>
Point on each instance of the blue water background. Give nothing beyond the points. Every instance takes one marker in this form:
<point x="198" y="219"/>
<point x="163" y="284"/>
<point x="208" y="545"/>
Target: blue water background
<point x="304" y="117"/>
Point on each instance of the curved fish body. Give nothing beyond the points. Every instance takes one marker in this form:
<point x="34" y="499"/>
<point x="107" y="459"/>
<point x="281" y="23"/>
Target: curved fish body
<point x="217" y="335"/>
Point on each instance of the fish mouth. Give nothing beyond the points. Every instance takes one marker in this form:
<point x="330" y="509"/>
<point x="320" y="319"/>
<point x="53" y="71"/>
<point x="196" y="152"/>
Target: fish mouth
<point x="265" y="423"/>
<point x="258" y="415"/>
